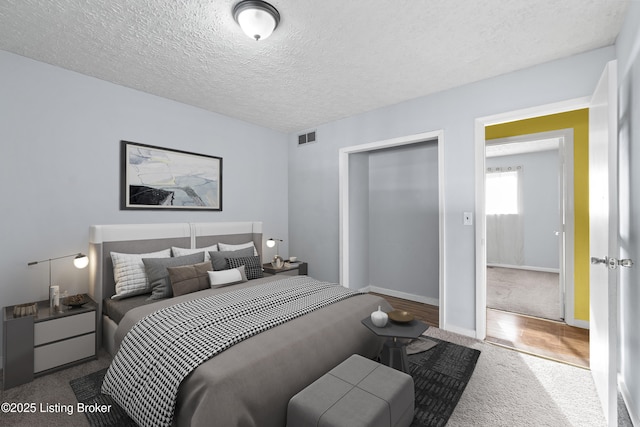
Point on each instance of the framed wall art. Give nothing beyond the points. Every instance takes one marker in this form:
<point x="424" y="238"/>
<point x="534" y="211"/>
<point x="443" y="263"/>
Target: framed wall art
<point x="162" y="178"/>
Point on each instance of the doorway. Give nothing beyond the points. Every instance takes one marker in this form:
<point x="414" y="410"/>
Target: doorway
<point x="526" y="197"/>
<point x="571" y="115"/>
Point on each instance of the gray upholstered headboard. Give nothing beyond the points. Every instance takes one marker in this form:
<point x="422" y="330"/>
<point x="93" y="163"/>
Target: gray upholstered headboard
<point x="143" y="238"/>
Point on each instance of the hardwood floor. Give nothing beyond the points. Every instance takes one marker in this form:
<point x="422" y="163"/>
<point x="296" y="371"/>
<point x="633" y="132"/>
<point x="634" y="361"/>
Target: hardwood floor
<point x="546" y="338"/>
<point x="429" y="314"/>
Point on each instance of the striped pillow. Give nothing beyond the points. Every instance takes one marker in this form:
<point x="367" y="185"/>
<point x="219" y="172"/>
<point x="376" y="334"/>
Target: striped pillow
<point x="130" y="275"/>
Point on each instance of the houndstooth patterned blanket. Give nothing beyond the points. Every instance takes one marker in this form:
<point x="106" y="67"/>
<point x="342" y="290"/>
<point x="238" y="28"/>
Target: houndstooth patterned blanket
<point x="164" y="347"/>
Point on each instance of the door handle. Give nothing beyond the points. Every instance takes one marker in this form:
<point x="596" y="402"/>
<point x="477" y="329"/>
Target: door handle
<point x="625" y="262"/>
<point x="595" y="260"/>
<point x="612" y="263"/>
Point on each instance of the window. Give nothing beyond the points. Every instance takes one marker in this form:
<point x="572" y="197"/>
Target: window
<point x="502" y="191"/>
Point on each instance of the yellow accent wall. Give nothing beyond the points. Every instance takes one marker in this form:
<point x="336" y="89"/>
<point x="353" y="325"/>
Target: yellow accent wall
<point x="579" y="121"/>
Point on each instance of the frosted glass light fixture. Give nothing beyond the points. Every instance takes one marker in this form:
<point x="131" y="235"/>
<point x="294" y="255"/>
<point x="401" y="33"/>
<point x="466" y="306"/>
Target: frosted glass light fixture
<point x="257" y="19"/>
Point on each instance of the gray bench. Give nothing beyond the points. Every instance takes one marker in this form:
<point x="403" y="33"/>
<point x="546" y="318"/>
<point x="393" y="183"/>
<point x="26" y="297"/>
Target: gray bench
<point x="357" y="393"/>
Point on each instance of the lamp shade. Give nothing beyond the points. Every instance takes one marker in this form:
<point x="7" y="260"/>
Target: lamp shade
<point x="257" y="19"/>
<point x="273" y="242"/>
<point x="81" y="261"/>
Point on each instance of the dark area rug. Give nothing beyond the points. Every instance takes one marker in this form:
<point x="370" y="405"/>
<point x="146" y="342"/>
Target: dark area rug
<point x="87" y="391"/>
<point x="440" y="375"/>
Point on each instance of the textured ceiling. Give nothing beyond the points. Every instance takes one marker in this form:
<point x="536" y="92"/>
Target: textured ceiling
<point x="327" y="59"/>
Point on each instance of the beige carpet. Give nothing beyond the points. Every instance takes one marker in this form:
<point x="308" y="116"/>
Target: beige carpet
<point x="534" y="293"/>
<point x="510" y="389"/>
<point x="507" y="388"/>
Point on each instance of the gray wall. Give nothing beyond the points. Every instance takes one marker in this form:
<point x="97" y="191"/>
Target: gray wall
<point x="629" y="287"/>
<point x="403" y="220"/>
<point x="313" y="169"/>
<point x="541" y="198"/>
<point x="60" y="168"/>
<point x="359" y="225"/>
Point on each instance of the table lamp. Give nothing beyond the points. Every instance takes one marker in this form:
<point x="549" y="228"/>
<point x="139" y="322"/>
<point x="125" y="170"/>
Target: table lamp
<point x="277" y="262"/>
<point x="80" y="261"/>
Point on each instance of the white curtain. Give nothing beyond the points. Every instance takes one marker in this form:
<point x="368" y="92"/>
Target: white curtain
<point x="505" y="224"/>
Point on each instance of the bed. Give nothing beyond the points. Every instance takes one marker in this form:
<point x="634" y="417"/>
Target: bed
<point x="250" y="383"/>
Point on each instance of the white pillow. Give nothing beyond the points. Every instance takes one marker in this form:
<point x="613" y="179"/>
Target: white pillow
<point x="225" y="247"/>
<point x="130" y="275"/>
<point x="186" y="251"/>
<point x="222" y="278"/>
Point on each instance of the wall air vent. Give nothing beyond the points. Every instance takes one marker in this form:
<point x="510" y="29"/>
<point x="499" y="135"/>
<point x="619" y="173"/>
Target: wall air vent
<point x="307" y="138"/>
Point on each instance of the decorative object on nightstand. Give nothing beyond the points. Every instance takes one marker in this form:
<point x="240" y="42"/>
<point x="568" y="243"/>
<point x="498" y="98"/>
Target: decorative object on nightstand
<point x="277" y="262"/>
<point x="80" y="261"/>
<point x="29" y="309"/>
<point x="401" y="316"/>
<point x="75" y="300"/>
<point x="379" y="318"/>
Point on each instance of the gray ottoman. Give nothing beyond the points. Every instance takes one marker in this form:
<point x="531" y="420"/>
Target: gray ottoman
<point x="357" y="393"/>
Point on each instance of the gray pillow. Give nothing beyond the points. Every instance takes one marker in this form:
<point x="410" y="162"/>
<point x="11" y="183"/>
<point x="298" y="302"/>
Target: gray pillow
<point x="219" y="259"/>
<point x="158" y="275"/>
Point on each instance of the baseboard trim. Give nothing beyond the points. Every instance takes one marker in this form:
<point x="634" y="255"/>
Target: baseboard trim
<point x="461" y="331"/>
<point x="403" y="295"/>
<point x="526" y="267"/>
<point x="626" y="396"/>
<point x="584" y="324"/>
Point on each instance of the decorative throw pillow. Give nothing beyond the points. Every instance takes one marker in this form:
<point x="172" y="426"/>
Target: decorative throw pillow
<point x="176" y="251"/>
<point x="252" y="266"/>
<point x="232" y="276"/>
<point x="189" y="278"/>
<point x="158" y="274"/>
<point x="129" y="273"/>
<point x="227" y="247"/>
<point x="218" y="259"/>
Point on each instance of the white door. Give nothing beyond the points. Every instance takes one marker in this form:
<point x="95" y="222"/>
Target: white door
<point x="603" y="219"/>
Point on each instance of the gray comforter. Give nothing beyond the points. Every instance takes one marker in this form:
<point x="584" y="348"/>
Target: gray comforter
<point x="251" y="383"/>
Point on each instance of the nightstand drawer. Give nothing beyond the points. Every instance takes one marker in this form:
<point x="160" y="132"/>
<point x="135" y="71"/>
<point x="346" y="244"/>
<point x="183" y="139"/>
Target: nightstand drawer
<point x="64" y="327"/>
<point x="63" y="352"/>
<point x="290" y="273"/>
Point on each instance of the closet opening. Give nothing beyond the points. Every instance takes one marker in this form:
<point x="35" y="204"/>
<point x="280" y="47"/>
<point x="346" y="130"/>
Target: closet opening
<point x="391" y="218"/>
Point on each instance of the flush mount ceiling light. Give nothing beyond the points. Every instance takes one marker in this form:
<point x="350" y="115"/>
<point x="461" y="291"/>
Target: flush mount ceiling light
<point x="257" y="19"/>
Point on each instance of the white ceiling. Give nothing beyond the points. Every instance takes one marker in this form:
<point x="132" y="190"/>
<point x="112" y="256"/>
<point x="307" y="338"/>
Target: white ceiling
<point x="327" y="59"/>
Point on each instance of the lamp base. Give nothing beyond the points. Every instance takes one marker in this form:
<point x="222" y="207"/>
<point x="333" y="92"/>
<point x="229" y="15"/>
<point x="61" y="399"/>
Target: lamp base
<point x="54" y="299"/>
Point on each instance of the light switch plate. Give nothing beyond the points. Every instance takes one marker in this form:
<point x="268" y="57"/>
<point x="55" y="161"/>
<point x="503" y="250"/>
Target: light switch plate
<point x="468" y="218"/>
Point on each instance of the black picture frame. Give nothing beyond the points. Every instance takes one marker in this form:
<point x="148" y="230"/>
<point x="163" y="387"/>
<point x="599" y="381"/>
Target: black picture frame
<point x="154" y="177"/>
